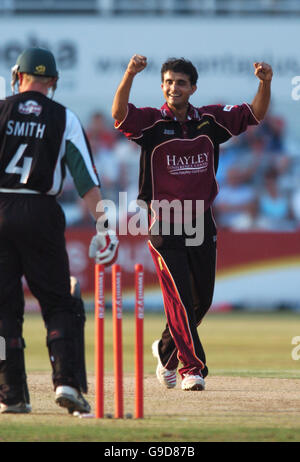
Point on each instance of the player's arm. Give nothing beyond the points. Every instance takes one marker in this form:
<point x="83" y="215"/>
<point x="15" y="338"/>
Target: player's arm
<point x="119" y="107"/>
<point x="104" y="245"/>
<point x="261" y="101"/>
<point x="92" y="199"/>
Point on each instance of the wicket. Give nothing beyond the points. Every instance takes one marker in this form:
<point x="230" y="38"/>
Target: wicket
<point x="117" y="339"/>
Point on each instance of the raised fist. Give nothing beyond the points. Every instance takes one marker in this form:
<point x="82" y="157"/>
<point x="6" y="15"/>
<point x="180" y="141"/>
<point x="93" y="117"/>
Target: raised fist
<point x="263" y="71"/>
<point x="137" y="64"/>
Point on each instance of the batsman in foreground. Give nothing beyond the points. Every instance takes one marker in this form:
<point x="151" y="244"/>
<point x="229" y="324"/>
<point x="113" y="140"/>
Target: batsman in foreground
<point x="38" y="139"/>
<point x="179" y="160"/>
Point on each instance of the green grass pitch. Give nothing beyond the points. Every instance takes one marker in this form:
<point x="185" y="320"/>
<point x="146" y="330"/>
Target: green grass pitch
<point x="239" y="346"/>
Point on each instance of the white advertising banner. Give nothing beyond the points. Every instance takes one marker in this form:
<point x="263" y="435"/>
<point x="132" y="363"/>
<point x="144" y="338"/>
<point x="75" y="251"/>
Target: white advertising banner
<point x="92" y="54"/>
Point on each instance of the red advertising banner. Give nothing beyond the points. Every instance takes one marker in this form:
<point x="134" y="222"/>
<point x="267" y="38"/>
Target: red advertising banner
<point x="238" y="249"/>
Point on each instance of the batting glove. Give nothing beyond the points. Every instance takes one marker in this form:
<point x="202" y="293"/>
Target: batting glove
<point x="104" y="247"/>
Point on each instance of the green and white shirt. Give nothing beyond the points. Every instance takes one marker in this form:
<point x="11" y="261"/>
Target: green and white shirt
<point x="39" y="138"/>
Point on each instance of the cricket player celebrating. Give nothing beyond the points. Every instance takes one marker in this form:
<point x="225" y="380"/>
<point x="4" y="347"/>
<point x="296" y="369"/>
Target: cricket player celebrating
<point x="179" y="160"/>
<point x="38" y="139"/>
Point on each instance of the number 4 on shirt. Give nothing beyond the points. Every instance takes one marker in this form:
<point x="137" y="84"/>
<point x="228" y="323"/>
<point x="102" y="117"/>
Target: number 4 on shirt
<point x="23" y="170"/>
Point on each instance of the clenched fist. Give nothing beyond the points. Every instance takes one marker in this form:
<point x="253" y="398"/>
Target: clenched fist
<point x="137" y="64"/>
<point x="263" y="71"/>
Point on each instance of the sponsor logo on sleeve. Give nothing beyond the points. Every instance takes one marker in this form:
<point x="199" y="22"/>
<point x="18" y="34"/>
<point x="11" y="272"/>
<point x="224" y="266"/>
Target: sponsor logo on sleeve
<point x="227" y="108"/>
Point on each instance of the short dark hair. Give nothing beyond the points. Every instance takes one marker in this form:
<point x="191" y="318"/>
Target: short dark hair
<point x="180" y="65"/>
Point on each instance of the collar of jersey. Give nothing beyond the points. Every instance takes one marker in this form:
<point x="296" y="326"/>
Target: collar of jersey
<point x="192" y="114"/>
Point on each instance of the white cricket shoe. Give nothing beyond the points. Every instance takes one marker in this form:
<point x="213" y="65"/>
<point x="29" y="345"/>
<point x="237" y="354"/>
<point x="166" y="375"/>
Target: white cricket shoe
<point x="18" y="408"/>
<point x="71" y="399"/>
<point x="193" y="382"/>
<point x="165" y="377"/>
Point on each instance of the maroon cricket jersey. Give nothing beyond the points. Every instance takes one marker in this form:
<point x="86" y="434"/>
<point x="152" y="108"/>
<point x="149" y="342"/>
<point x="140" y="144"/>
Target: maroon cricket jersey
<point x="179" y="160"/>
